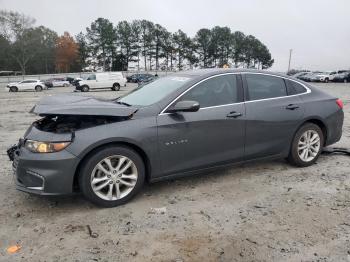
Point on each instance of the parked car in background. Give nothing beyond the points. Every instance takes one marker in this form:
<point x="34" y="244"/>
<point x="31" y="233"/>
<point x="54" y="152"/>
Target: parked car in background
<point x="299" y="74"/>
<point x="112" y="80"/>
<point x="309" y="77"/>
<point x="146" y="80"/>
<point x="56" y="82"/>
<point x="70" y="79"/>
<point x="343" y="77"/>
<point x="10" y="73"/>
<point x="136" y="78"/>
<point x="28" y="84"/>
<point x="324" y="77"/>
<point x="182" y="124"/>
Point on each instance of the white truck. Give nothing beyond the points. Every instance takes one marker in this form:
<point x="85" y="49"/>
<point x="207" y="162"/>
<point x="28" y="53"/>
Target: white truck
<point x="112" y="80"/>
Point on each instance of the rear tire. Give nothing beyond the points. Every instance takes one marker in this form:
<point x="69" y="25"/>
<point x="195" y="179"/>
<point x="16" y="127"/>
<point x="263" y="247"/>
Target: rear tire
<point x="116" y="87"/>
<point x="326" y="80"/>
<point x="307" y="145"/>
<point x="38" y="89"/>
<point x="123" y="185"/>
<point x="13" y="89"/>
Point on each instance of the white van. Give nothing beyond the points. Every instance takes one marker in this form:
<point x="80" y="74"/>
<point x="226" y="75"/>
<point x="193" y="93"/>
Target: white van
<point x="112" y="80"/>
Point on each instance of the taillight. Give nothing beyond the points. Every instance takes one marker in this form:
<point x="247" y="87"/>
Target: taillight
<point x="340" y="103"/>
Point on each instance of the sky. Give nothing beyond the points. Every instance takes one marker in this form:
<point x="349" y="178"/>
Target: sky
<point x="318" y="31"/>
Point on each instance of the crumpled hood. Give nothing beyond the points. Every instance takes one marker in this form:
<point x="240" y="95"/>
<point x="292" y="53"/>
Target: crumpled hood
<point x="80" y="105"/>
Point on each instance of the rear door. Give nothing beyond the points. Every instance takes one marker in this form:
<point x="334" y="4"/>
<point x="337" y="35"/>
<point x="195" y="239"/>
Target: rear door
<point x="212" y="135"/>
<point x="27" y="84"/>
<point x="272" y="115"/>
<point x="22" y="85"/>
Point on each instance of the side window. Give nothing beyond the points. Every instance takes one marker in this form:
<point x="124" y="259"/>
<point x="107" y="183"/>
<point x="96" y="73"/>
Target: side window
<point x="294" y="88"/>
<point x="25" y="82"/>
<point x="220" y="90"/>
<point x="265" y="86"/>
<point x="91" y="77"/>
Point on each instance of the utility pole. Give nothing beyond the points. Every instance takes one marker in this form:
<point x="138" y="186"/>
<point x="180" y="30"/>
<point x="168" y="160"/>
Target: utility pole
<point x="290" y="58"/>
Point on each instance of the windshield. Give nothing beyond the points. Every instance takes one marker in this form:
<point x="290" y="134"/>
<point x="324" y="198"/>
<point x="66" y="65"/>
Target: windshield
<point x="154" y="91"/>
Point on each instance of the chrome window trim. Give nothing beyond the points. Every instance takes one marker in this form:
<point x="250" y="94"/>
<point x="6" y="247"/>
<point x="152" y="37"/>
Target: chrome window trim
<point x="308" y="90"/>
<point x="184" y="92"/>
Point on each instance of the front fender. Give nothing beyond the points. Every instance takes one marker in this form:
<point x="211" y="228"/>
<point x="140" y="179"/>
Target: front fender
<point x="140" y="133"/>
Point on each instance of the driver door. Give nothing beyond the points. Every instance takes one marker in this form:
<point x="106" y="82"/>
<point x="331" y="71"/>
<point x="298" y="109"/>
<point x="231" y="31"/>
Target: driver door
<point x="24" y="85"/>
<point x="211" y="136"/>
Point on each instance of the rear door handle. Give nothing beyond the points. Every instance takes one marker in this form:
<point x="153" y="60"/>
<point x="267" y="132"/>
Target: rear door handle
<point x="234" y="114"/>
<point x="292" y="107"/>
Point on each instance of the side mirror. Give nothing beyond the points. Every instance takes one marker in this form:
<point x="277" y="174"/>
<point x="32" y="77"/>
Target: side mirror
<point x="184" y="106"/>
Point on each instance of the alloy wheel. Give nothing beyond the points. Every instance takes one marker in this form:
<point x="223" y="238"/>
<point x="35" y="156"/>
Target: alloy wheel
<point x="114" y="177"/>
<point x="309" y="145"/>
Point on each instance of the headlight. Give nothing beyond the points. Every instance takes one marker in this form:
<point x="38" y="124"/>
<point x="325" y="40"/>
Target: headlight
<point x="45" y="147"/>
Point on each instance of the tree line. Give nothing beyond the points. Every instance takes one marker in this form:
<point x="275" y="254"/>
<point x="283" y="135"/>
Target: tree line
<point x="140" y="44"/>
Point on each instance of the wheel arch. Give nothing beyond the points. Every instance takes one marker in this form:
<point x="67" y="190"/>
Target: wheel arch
<point x="96" y="148"/>
<point x="320" y="123"/>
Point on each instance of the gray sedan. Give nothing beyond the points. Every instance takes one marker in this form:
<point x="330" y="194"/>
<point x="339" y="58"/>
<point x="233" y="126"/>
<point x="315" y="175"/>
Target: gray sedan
<point x="177" y="125"/>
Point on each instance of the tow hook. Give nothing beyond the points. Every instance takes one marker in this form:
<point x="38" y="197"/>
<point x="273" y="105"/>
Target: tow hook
<point x="11" y="152"/>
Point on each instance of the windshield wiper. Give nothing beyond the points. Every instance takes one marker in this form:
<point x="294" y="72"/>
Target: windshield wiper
<point x="122" y="103"/>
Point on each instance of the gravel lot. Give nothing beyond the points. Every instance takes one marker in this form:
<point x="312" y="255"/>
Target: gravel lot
<point x="257" y="212"/>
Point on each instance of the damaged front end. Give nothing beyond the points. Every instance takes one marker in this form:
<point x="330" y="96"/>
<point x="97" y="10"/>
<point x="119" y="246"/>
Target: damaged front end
<point x="70" y="123"/>
<point x="42" y="161"/>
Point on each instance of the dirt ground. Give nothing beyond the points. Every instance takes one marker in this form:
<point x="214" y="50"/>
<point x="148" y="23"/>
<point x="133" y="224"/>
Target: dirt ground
<point x="266" y="211"/>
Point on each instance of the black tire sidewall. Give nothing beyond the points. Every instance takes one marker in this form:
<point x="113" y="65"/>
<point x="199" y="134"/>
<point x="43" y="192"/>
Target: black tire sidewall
<point x="89" y="164"/>
<point x="294" y="156"/>
<point x="38" y="88"/>
<point x="13" y="89"/>
<point x="116" y="87"/>
<point x="85" y="89"/>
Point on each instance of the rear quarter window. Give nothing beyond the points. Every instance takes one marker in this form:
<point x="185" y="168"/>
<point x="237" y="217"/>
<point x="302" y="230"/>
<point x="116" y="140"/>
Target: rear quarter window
<point x="294" y="88"/>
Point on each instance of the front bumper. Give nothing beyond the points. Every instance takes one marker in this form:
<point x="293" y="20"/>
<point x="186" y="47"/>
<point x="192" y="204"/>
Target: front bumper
<point x="43" y="174"/>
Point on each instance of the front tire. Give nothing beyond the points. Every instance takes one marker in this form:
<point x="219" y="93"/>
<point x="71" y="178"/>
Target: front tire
<point x="116" y="87"/>
<point x="307" y="145"/>
<point x="112" y="176"/>
<point x="38" y="89"/>
<point x="85" y="89"/>
<point x="13" y="89"/>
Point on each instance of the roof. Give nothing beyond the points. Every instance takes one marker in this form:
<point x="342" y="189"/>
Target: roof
<point x="215" y="71"/>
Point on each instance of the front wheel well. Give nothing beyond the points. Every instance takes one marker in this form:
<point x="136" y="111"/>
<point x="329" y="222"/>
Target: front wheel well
<point x="125" y="144"/>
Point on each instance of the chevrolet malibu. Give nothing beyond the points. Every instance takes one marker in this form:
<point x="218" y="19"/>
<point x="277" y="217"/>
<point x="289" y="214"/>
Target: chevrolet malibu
<point x="177" y="125"/>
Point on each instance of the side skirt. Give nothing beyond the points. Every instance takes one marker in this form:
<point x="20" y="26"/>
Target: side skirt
<point x="212" y="168"/>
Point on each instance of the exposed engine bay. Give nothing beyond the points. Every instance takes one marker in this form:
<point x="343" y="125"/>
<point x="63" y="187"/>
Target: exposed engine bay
<point x="70" y="123"/>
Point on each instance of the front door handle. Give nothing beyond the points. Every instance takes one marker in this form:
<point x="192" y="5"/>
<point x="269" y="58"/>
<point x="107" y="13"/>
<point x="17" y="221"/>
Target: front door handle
<point x="234" y="114"/>
<point x="292" y="107"/>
